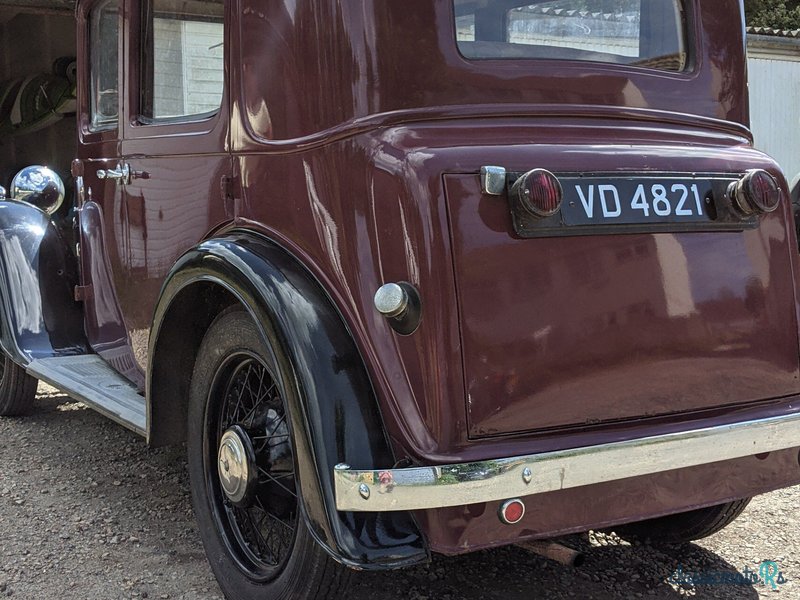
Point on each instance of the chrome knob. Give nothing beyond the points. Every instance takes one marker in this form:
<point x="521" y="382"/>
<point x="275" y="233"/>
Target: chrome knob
<point x="391" y="300"/>
<point x="122" y="174"/>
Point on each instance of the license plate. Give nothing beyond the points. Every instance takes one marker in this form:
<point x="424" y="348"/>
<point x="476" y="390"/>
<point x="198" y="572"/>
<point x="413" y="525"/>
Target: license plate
<point x="640" y="200"/>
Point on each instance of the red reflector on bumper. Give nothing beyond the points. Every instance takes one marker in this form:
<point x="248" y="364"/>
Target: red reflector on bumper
<point x="512" y="511"/>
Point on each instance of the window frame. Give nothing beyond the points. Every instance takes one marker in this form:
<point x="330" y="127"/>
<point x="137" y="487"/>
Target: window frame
<point x="111" y="124"/>
<point x="139" y="126"/>
<point x="690" y="40"/>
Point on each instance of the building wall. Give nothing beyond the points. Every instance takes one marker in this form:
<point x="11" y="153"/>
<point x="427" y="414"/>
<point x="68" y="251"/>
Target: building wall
<point x="188" y="67"/>
<point x="774" y="73"/>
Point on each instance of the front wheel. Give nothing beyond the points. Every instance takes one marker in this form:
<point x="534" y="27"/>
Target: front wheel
<point x="17" y="388"/>
<point x="242" y="471"/>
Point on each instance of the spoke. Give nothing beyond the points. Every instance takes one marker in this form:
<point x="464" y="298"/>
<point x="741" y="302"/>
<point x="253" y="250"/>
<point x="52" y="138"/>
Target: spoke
<point x="281" y="521"/>
<point x="255" y="400"/>
<point x="266" y="443"/>
<point x="272" y="439"/>
<point x="270" y="436"/>
<point x="269" y="535"/>
<point x="232" y="416"/>
<point x="262" y="373"/>
<point x="229" y="407"/>
<point x="255" y="406"/>
<point x="286" y="475"/>
<point x="250" y="393"/>
<point x="273" y="479"/>
<point x="278" y="424"/>
<point x="274" y="517"/>
<point x="261" y="542"/>
<point x="266" y="395"/>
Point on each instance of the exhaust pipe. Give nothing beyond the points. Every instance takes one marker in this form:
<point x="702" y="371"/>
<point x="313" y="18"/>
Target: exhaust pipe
<point x="555" y="551"/>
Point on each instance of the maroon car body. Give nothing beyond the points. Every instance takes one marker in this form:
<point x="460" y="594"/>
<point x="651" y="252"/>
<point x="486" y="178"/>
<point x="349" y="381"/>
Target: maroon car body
<point x="352" y="136"/>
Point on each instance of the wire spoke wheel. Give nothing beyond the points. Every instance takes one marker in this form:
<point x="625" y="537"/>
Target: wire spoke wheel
<point x="252" y="465"/>
<point x="243" y="468"/>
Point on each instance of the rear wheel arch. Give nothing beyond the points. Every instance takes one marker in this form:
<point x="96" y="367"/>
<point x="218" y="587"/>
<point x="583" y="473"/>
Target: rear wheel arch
<point x="290" y="307"/>
<point x="183" y="324"/>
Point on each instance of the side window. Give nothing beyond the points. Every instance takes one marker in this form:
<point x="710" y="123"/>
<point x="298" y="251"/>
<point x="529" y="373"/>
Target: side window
<point x="181" y="58"/>
<point x="103" y="69"/>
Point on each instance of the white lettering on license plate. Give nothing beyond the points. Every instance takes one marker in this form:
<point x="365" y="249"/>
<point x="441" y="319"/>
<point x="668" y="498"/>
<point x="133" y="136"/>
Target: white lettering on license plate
<point x="649" y="200"/>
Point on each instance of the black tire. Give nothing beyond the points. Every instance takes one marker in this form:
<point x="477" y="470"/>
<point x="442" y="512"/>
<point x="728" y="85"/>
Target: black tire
<point x="684" y="527"/>
<point x="17" y="389"/>
<point x="259" y="547"/>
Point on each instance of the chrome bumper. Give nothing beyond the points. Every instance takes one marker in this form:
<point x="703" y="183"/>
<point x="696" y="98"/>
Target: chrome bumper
<point x="503" y="478"/>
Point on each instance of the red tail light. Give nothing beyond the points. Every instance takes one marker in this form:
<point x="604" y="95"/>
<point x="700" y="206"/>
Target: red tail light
<point x="755" y="193"/>
<point x="539" y="192"/>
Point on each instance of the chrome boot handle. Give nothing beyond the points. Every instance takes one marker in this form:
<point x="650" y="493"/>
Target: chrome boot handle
<point x="122" y="174"/>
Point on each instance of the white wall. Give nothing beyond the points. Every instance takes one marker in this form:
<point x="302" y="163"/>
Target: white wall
<point x="774" y="74"/>
<point x="188" y="67"/>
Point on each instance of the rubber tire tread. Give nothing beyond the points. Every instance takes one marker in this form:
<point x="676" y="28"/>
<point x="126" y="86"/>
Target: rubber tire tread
<point x="310" y="574"/>
<point x="17" y="390"/>
<point x="687" y="526"/>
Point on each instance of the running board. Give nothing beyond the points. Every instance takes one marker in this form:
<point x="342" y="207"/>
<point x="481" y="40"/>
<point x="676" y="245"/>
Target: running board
<point x="88" y="378"/>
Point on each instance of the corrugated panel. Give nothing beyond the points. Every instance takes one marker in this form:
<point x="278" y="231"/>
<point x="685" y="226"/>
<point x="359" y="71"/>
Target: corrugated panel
<point x="775" y="110"/>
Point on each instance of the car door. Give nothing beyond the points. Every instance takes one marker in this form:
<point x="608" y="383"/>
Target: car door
<point x="155" y="188"/>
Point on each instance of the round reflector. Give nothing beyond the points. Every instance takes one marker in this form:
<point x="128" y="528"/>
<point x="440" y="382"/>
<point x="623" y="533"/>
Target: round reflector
<point x="539" y="192"/>
<point x="756" y="192"/>
<point x="512" y="511"/>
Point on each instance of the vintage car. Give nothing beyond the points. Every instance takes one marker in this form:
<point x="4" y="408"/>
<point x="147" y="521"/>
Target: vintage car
<point x="407" y="278"/>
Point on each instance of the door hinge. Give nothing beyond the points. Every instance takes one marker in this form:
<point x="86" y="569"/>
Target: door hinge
<point x="226" y="185"/>
<point x="229" y="191"/>
<point x="83" y="292"/>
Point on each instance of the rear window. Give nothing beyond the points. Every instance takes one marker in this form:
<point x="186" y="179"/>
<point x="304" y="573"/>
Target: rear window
<point x="646" y="33"/>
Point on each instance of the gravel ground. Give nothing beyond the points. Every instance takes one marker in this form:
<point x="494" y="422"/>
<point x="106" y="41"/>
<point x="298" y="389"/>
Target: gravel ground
<point x="88" y="512"/>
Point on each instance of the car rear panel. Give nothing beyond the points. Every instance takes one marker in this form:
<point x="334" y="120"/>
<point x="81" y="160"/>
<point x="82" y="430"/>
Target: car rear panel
<point x="568" y="331"/>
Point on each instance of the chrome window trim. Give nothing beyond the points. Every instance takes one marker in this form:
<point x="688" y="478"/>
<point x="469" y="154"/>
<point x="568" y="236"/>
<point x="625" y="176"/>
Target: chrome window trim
<point x="439" y="486"/>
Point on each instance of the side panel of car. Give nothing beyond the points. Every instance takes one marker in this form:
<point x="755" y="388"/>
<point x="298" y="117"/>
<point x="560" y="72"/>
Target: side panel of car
<point x="171" y="140"/>
<point x="99" y="31"/>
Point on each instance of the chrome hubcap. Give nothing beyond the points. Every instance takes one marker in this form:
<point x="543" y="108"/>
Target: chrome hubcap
<point x="233" y="465"/>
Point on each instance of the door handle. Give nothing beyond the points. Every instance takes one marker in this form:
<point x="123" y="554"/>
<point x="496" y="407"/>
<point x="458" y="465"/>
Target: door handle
<point x="121" y="174"/>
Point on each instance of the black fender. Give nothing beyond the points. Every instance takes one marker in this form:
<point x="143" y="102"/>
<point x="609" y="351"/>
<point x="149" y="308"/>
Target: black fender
<point x="39" y="317"/>
<point x="794" y="197"/>
<point x="334" y="412"/>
